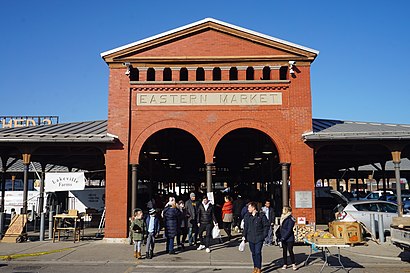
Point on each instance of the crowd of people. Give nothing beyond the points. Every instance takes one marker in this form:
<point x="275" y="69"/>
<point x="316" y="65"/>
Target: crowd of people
<point x="195" y="221"/>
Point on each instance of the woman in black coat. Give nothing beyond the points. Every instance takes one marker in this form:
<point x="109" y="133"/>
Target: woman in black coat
<point x="287" y="222"/>
<point x="255" y="230"/>
<point x="171" y="220"/>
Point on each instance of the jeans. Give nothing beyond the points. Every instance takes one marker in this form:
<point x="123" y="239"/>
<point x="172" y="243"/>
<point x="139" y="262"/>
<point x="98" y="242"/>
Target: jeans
<point x="181" y="237"/>
<point x="256" y="250"/>
<point x="269" y="238"/>
<point x="208" y="229"/>
<point x="150" y="242"/>
<point x="288" y="246"/>
<point x="170" y="244"/>
<point x="227" y="227"/>
<point x="137" y="245"/>
<point x="192" y="235"/>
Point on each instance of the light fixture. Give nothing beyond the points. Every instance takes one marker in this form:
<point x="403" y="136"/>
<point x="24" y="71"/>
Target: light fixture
<point x="251" y="163"/>
<point x="164" y="159"/>
<point x="247" y="167"/>
<point x="257" y="158"/>
<point x="129" y="66"/>
<point x="266" y="152"/>
<point x="178" y="167"/>
<point x="172" y="164"/>
<point x="291" y="65"/>
<point x="153" y="153"/>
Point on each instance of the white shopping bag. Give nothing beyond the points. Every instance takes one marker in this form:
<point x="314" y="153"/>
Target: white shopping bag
<point x="216" y="232"/>
<point x="242" y="246"/>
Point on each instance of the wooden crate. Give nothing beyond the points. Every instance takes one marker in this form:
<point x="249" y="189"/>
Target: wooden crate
<point x="350" y="232"/>
<point x="329" y="241"/>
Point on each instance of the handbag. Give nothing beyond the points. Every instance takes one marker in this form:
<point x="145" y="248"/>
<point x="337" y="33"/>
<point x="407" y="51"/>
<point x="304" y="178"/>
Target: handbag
<point x="228" y="218"/>
<point x="241" y="247"/>
<point x="216" y="232"/>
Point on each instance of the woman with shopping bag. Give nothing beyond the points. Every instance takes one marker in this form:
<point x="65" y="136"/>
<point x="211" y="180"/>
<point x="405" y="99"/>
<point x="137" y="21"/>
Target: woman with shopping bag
<point x="255" y="231"/>
<point x="206" y="221"/>
<point x="227" y="216"/>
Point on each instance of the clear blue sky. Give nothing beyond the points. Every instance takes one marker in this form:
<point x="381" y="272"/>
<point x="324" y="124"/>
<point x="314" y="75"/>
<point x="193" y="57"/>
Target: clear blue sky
<point x="51" y="62"/>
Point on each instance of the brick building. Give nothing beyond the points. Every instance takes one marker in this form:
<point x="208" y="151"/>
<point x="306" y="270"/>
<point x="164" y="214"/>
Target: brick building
<point x="201" y="105"/>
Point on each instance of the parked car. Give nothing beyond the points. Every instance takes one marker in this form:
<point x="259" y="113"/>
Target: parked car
<point x="375" y="195"/>
<point x="361" y="210"/>
<point x="393" y="198"/>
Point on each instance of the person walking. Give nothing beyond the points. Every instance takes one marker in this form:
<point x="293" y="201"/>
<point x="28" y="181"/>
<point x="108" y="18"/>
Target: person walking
<point x="206" y="221"/>
<point x="152" y="224"/>
<point x="191" y="206"/>
<point x="183" y="223"/>
<point x="227" y="216"/>
<point x="138" y="229"/>
<point x="171" y="219"/>
<point x="287" y="222"/>
<point x="238" y="204"/>
<point x="270" y="215"/>
<point x="255" y="231"/>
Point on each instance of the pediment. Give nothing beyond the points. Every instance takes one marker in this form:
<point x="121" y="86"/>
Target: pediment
<point x="209" y="39"/>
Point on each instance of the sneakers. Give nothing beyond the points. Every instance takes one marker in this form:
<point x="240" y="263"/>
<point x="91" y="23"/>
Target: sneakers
<point x="284" y="267"/>
<point x="207" y="250"/>
<point x="200" y="247"/>
<point x="294" y="267"/>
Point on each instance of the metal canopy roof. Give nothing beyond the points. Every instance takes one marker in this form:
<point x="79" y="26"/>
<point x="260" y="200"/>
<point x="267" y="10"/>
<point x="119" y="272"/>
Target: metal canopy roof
<point x="89" y="131"/>
<point x="326" y="130"/>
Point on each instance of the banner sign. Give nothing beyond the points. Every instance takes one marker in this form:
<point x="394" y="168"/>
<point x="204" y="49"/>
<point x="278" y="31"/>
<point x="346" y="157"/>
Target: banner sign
<point x="64" y="181"/>
<point x="25" y="121"/>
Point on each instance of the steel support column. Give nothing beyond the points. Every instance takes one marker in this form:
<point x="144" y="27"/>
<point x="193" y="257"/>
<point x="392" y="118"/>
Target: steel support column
<point x="285" y="189"/>
<point x="26" y="163"/>
<point x="209" y="177"/>
<point x="134" y="187"/>
<point x="396" y="160"/>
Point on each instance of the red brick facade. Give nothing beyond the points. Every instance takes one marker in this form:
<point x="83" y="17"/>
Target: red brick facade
<point x="207" y="45"/>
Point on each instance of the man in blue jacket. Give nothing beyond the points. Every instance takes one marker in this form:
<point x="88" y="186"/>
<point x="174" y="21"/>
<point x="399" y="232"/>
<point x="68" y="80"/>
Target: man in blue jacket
<point x="153" y="228"/>
<point x="255" y="231"/>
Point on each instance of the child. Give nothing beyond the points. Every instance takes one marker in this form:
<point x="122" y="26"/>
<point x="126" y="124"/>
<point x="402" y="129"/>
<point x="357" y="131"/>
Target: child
<point x="138" y="229"/>
<point x="152" y="224"/>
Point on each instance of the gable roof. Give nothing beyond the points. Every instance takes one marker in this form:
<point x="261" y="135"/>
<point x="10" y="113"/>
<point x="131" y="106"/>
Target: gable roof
<point x="207" y="21"/>
<point x="326" y="129"/>
<point x="87" y="131"/>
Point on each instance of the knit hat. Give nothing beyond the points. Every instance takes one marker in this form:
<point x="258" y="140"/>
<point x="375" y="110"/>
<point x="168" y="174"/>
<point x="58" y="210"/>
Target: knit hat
<point x="152" y="211"/>
<point x="192" y="194"/>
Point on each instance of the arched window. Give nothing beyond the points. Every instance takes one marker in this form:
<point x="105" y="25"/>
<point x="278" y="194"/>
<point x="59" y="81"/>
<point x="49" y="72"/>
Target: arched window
<point x="216" y="74"/>
<point x="283" y="73"/>
<point x="250" y="75"/>
<point x="167" y="74"/>
<point x="151" y="74"/>
<point x="233" y="74"/>
<point x="200" y="74"/>
<point x="134" y="74"/>
<point x="183" y="74"/>
<point x="266" y="73"/>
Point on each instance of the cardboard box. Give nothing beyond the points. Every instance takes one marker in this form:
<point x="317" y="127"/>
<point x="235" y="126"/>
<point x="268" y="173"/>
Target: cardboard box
<point x="350" y="232"/>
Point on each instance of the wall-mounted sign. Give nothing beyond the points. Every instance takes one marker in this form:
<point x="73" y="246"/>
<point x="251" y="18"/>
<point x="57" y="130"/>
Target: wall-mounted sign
<point x="303" y="199"/>
<point x="64" y="181"/>
<point x="24" y="121"/>
<point x="201" y="99"/>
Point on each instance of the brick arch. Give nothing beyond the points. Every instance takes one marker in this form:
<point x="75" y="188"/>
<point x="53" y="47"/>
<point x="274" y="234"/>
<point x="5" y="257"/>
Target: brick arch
<point x="281" y="146"/>
<point x="190" y="128"/>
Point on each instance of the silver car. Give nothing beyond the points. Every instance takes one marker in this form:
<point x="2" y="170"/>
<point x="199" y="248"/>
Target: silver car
<point x="361" y="210"/>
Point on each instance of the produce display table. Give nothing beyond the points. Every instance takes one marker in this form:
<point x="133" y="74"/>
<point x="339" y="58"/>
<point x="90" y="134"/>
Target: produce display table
<point x="325" y="253"/>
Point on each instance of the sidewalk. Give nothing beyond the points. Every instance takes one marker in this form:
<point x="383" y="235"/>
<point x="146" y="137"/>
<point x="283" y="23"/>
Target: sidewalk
<point x="227" y="254"/>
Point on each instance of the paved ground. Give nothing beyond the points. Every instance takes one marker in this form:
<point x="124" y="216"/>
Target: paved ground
<point x="99" y="256"/>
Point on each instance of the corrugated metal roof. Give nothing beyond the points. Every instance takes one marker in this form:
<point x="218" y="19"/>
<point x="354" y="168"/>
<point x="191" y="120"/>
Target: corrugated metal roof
<point x="15" y="165"/>
<point x="324" y="130"/>
<point x="88" y="131"/>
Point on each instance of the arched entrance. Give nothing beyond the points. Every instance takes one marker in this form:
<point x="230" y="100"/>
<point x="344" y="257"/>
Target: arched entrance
<point x="170" y="163"/>
<point x="247" y="164"/>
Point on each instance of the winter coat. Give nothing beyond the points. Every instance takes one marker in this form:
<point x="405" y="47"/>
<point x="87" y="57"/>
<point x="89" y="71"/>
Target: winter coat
<point x="256" y="228"/>
<point x="156" y="224"/>
<point x="238" y="205"/>
<point x="138" y="229"/>
<point x="227" y="209"/>
<point x="192" y="211"/>
<point x="171" y="220"/>
<point x="206" y="216"/>
<point x="183" y="218"/>
<point x="286" y="229"/>
<point x="270" y="216"/>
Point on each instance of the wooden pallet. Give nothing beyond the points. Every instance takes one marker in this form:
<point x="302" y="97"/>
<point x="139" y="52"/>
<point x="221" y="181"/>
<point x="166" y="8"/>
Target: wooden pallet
<point x="15" y="229"/>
